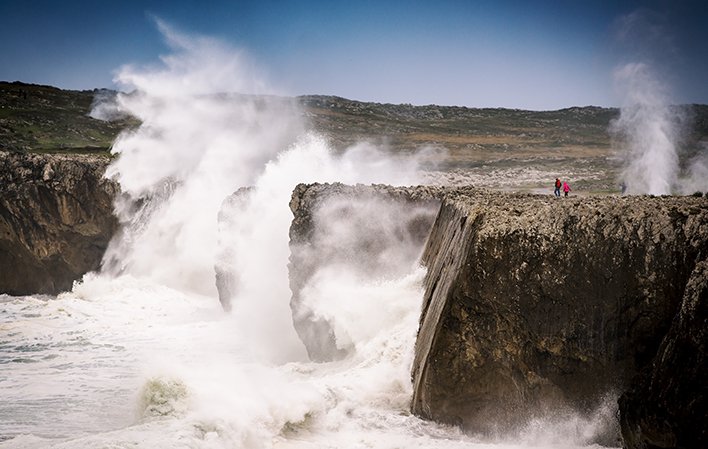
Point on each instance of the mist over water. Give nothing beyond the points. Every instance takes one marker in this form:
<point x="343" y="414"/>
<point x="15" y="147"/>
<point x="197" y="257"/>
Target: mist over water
<point x="142" y="355"/>
<point x="200" y="138"/>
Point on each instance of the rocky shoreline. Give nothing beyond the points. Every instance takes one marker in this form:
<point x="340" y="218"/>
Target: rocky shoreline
<point x="56" y="219"/>
<point x="531" y="304"/>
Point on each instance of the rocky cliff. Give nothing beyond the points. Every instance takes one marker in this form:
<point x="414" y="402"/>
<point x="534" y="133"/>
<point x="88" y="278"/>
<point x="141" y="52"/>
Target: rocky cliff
<point x="373" y="231"/>
<point x="667" y="404"/>
<point x="535" y="305"/>
<point x="56" y="218"/>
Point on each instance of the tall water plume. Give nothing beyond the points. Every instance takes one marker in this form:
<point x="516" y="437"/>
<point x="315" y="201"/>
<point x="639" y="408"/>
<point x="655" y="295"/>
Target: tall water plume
<point x="647" y="130"/>
<point x="198" y="142"/>
<point x="201" y="136"/>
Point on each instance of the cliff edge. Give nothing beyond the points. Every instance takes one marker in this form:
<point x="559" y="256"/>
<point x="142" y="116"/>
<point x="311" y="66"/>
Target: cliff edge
<point x="56" y="219"/>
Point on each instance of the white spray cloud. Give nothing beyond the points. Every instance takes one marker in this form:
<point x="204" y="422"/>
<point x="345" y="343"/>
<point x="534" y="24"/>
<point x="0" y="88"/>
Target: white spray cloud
<point x="256" y="237"/>
<point x="651" y="133"/>
<point x="647" y="131"/>
<point x="200" y="138"/>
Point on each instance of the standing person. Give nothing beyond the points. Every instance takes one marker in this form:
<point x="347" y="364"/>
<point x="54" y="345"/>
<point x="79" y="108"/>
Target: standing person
<point x="566" y="188"/>
<point x="557" y="190"/>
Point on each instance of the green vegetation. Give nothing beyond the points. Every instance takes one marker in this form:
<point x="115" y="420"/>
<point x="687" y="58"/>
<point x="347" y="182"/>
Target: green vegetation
<point x="572" y="142"/>
<point x="37" y="118"/>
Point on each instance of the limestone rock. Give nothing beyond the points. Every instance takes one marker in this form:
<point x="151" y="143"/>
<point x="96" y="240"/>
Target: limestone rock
<point x="56" y="219"/>
<point x="668" y="404"/>
<point x="534" y="305"/>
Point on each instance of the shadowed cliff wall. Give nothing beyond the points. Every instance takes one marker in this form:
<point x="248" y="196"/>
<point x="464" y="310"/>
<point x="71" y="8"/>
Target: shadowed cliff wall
<point x="667" y="405"/>
<point x="533" y="305"/>
<point x="56" y="218"/>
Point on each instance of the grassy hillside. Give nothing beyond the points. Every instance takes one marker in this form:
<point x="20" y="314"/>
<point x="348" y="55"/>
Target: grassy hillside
<point x="515" y="146"/>
<point x="46" y="119"/>
<point x="470" y="135"/>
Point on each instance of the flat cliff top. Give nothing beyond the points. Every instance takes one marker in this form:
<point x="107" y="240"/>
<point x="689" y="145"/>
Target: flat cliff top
<point x="19" y="170"/>
<point x="541" y="214"/>
<point x="309" y="195"/>
<point x="531" y="213"/>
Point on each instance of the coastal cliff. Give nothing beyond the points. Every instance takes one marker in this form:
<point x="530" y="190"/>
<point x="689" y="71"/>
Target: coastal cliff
<point x="668" y="403"/>
<point x="56" y="219"/>
<point x="535" y="305"/>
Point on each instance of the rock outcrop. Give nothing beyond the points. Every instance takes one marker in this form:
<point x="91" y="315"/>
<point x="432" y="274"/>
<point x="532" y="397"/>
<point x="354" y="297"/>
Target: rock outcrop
<point x="372" y="231"/>
<point x="667" y="405"/>
<point x="535" y="305"/>
<point x="56" y="219"/>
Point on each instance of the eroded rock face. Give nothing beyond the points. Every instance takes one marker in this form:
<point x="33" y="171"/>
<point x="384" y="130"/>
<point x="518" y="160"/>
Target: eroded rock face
<point x="535" y="305"/>
<point x="370" y="232"/>
<point x="56" y="219"/>
<point x="667" y="405"/>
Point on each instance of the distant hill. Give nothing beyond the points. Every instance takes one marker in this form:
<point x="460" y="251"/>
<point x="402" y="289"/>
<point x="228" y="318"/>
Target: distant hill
<point x="581" y="125"/>
<point x="468" y="133"/>
<point x="46" y="119"/>
<point x="38" y="118"/>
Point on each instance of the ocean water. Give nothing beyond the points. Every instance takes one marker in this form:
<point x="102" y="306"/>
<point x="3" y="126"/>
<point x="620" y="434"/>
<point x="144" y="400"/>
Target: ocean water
<point x="123" y="362"/>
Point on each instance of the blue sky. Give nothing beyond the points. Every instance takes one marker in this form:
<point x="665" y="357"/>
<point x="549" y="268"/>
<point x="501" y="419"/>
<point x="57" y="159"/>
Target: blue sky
<point x="518" y="54"/>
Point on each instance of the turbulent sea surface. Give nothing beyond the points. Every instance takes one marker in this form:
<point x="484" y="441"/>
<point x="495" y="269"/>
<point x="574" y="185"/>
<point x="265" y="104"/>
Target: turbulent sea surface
<point x="122" y="362"/>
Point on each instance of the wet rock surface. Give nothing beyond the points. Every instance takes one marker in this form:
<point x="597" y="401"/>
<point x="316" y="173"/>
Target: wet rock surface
<point x="535" y="305"/>
<point x="371" y="231"/>
<point x="56" y="219"/>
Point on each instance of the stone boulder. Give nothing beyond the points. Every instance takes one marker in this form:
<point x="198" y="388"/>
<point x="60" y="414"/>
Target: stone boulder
<point x="535" y="305"/>
<point x="374" y="231"/>
<point x="56" y="219"/>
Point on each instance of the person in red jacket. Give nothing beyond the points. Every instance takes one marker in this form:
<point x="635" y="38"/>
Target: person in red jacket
<point x="557" y="190"/>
